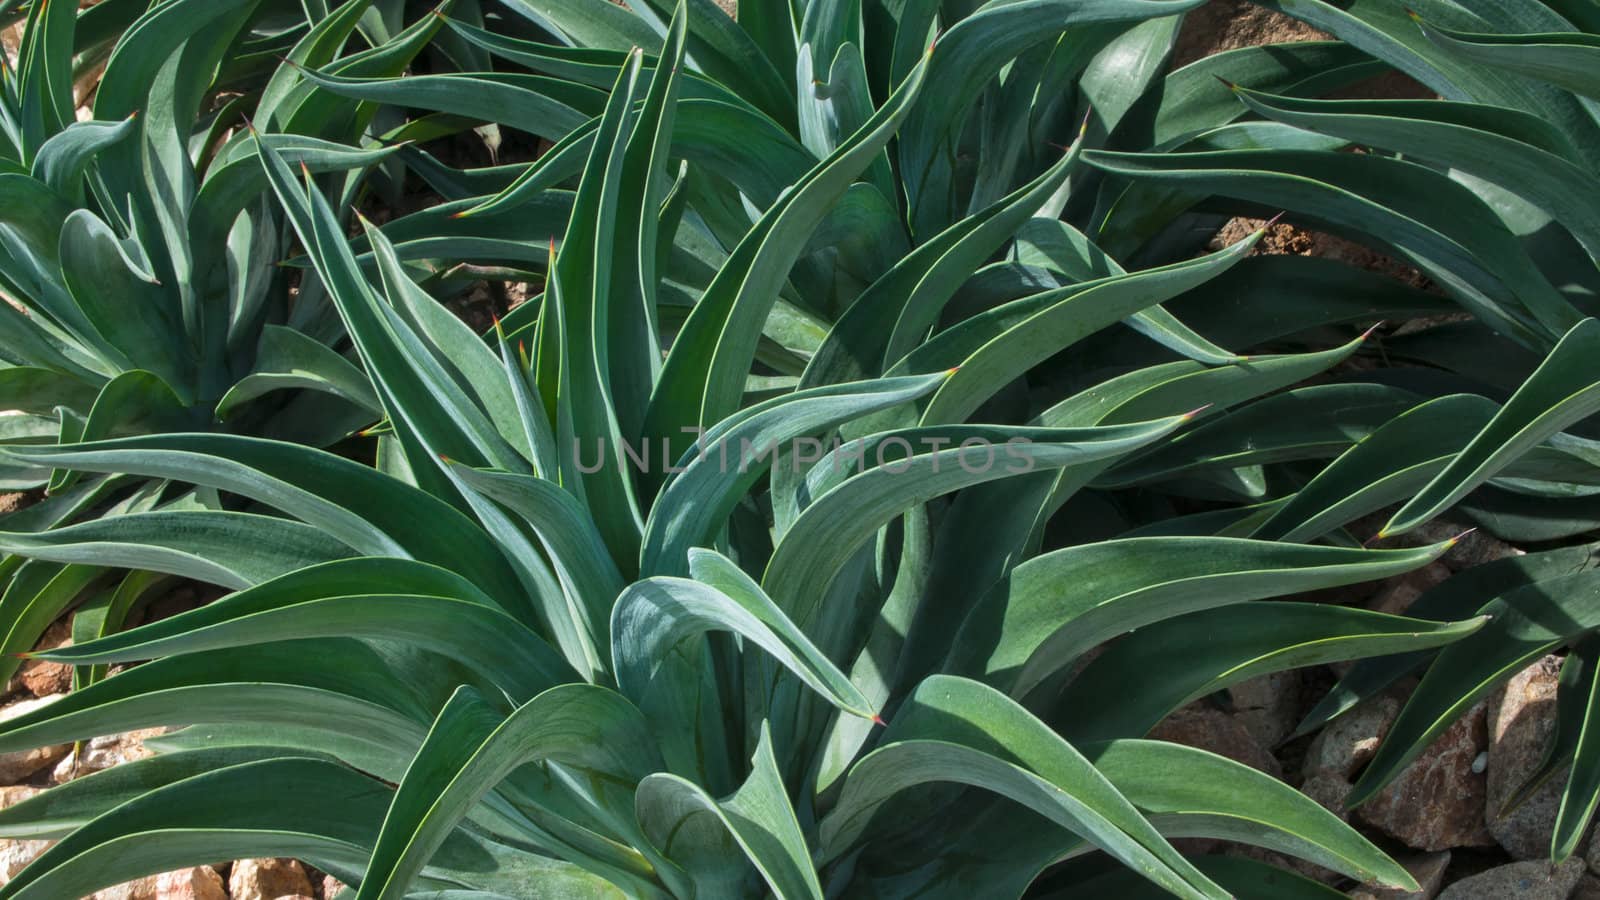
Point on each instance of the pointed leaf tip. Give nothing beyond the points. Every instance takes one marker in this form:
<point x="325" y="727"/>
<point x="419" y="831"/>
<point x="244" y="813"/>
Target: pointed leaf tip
<point x="1272" y="221"/>
<point x="878" y="720"/>
<point x="1368" y="333"/>
<point x="1460" y="537"/>
<point x="1196" y="411"/>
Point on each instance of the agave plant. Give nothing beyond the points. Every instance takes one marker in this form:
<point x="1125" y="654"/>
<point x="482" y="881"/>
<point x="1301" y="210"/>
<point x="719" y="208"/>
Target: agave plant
<point x="527" y="660"/>
<point x="141" y="257"/>
<point x="1491" y="191"/>
<point x="806" y="605"/>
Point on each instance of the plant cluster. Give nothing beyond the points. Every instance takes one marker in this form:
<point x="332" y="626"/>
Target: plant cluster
<point x="1020" y="462"/>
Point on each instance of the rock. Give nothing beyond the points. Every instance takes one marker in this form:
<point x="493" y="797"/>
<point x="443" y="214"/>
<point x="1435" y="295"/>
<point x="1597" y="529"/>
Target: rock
<point x="1268" y="706"/>
<point x="1519" y="881"/>
<point x="1437" y="802"/>
<point x="1339" y="751"/>
<point x="1474" y="548"/>
<point x="41" y="678"/>
<point x="269" y="879"/>
<point x="1212" y="729"/>
<point x="198" y="883"/>
<point x="1592" y="854"/>
<point x="1349" y="742"/>
<point x="1231" y="24"/>
<point x="331" y="887"/>
<point x="20" y="764"/>
<point x="1522" y="721"/>
<point x="1397" y="594"/>
<point x="14" y="855"/>
<point x="1427" y="868"/>
<point x="1588" y="888"/>
<point x="1330" y="791"/>
<point x="104" y="752"/>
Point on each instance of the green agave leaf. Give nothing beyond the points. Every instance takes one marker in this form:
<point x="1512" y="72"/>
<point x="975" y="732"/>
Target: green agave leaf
<point x="44" y="73"/>
<point x="298" y="481"/>
<point x="378" y="599"/>
<point x="588" y="23"/>
<point x="121" y="303"/>
<point x="838" y="522"/>
<point x="1190" y="791"/>
<point x="1054" y="608"/>
<point x="350" y="695"/>
<point x="1387" y="465"/>
<point x="569" y="537"/>
<point x="65" y="158"/>
<point x="654" y="615"/>
<point x="643" y="230"/>
<point x="56" y="813"/>
<point x="230" y="549"/>
<point x="1161" y="667"/>
<point x="701" y="380"/>
<point x="1520" y="518"/>
<point x="998" y="346"/>
<point x="1513" y="149"/>
<point x="288" y="360"/>
<point x="955" y="730"/>
<point x="1056" y="246"/>
<point x="181" y="823"/>
<point x="108" y="612"/>
<point x="472" y="747"/>
<point x="1582" y="793"/>
<point x="1573" y="689"/>
<point x="1560" y="393"/>
<point x="459" y="353"/>
<point x="418" y="393"/>
<point x="1303" y="423"/>
<point x="35" y="596"/>
<point x="39" y="391"/>
<point x="231" y="185"/>
<point x="577" y="335"/>
<point x="723" y="51"/>
<point x="591" y="65"/>
<point x="344" y="499"/>
<point x="963" y="61"/>
<point x="1569" y="60"/>
<point x="547" y="107"/>
<point x="1192" y="100"/>
<point x="918" y="286"/>
<point x="698" y="500"/>
<point x="1439" y="225"/>
<point x="1383" y="30"/>
<point x="563" y="161"/>
<point x="1162" y="389"/>
<point x="1523" y="624"/>
<point x="314" y="110"/>
<point x="1246" y="879"/>
<point x="758" y="816"/>
<point x="190" y="820"/>
<point x="320" y="45"/>
<point x="1460" y="596"/>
